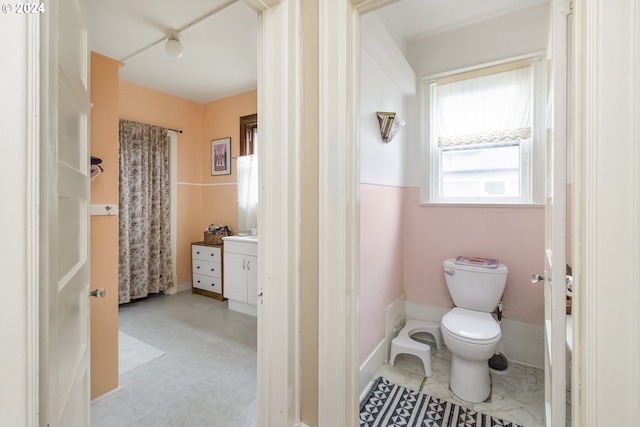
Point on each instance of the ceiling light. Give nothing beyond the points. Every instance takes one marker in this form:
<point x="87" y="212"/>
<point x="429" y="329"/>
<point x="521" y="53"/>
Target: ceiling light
<point x="173" y="46"/>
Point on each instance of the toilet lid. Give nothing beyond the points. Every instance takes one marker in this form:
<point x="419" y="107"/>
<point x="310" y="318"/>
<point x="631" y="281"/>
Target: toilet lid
<point x="471" y="325"/>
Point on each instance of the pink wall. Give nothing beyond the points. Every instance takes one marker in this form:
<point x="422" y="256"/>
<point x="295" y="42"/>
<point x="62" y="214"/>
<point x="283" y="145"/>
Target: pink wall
<point x="403" y="245"/>
<point x="513" y="235"/>
<point x="381" y="258"/>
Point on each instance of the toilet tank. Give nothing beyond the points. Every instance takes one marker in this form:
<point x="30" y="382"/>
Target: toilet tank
<point x="473" y="287"/>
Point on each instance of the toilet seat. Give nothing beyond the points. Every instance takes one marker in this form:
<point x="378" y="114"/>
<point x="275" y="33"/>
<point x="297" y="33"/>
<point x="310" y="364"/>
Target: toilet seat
<point x="471" y="326"/>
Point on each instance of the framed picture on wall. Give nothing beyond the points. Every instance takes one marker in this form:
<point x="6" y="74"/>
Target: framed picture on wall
<point x="221" y="156"/>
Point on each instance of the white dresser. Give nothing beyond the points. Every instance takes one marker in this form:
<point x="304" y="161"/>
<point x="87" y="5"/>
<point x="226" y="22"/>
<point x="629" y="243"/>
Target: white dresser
<point x="206" y="270"/>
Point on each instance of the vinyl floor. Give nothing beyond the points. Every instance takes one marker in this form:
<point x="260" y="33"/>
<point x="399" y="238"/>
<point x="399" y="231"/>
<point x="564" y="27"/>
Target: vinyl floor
<point x="207" y="376"/>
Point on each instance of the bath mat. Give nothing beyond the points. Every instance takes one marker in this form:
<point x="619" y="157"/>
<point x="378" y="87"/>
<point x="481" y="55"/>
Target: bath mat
<point x="133" y="353"/>
<point x="388" y="404"/>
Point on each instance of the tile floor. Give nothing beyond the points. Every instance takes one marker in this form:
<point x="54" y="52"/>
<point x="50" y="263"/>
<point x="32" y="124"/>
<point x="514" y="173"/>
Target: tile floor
<point x="517" y="395"/>
<point x="206" y="378"/>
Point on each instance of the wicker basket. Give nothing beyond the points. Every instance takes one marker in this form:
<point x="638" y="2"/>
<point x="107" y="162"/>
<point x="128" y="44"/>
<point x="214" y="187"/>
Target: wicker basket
<point x="213" y="238"/>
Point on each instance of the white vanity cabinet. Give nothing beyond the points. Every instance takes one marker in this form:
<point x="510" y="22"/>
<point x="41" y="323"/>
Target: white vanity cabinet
<point x="241" y="273"/>
<point x="206" y="269"/>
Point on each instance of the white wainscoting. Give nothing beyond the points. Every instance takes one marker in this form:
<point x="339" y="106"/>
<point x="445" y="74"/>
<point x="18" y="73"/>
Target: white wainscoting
<point x="394" y="320"/>
<point x="370" y="366"/>
<point x="521" y="342"/>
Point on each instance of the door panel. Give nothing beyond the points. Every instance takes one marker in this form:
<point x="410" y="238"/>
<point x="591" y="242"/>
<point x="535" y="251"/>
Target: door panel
<point x="235" y="277"/>
<point x="555" y="220"/>
<point x="66" y="216"/>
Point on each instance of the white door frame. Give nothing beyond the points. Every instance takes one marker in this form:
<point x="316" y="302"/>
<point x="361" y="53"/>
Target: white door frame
<point x="556" y="218"/>
<point x="280" y="108"/>
<point x="597" y="249"/>
<point x="20" y="118"/>
<point x="606" y="298"/>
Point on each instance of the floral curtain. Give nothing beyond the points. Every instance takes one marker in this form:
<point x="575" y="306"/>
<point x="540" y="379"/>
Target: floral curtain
<point x="145" y="212"/>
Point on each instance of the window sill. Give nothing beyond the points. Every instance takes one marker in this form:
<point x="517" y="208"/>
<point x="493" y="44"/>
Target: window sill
<point x="482" y="205"/>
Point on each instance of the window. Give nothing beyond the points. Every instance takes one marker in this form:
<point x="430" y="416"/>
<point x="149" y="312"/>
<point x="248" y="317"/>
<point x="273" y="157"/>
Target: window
<point x="249" y="135"/>
<point x="483" y="145"/>
<point x="247" y="173"/>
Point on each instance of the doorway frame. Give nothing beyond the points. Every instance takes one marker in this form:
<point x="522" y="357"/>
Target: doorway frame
<point x="280" y="100"/>
<point x="23" y="375"/>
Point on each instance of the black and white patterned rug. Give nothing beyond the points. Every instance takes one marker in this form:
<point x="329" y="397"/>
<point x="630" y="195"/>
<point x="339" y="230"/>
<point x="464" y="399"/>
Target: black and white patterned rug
<point x="389" y="405"/>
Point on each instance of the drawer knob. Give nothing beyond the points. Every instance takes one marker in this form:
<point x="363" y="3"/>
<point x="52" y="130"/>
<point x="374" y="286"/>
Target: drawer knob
<point x="213" y="269"/>
<point x="198" y="281"/>
<point x="198" y="252"/>
<point x="198" y="267"/>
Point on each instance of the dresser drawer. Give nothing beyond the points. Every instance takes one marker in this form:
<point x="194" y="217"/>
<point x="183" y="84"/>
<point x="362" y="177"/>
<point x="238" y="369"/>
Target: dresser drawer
<point x="207" y="283"/>
<point x="205" y="253"/>
<point x="206" y="268"/>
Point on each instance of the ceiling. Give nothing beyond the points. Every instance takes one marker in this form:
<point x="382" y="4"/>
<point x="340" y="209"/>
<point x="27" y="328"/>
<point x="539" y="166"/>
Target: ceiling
<point x="220" y="38"/>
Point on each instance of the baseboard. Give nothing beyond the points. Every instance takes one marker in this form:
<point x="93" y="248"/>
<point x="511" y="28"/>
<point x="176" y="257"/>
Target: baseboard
<point x="394" y="320"/>
<point x="109" y="393"/>
<point x="521" y="342"/>
<point x="370" y="366"/>
<point x="184" y="287"/>
<point x="427" y="312"/>
<point x="242" y="307"/>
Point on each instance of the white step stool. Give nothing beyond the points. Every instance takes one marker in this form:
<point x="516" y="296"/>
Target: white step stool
<point x="404" y="344"/>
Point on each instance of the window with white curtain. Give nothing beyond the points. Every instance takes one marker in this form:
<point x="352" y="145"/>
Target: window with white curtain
<point x="480" y="147"/>
<point x="247" y="170"/>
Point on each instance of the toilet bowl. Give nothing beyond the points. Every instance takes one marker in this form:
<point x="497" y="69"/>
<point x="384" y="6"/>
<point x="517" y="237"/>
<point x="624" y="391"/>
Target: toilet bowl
<point x="472" y="337"/>
<point x="469" y="330"/>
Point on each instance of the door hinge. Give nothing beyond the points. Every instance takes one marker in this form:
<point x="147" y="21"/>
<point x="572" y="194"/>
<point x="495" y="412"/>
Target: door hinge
<point x="566" y="7"/>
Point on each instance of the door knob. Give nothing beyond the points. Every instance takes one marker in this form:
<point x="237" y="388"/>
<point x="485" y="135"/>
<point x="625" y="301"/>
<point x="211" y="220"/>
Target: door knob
<point x="535" y="278"/>
<point x="98" y="293"/>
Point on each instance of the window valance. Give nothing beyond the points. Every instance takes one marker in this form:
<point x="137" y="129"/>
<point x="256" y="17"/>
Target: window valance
<point x="491" y="108"/>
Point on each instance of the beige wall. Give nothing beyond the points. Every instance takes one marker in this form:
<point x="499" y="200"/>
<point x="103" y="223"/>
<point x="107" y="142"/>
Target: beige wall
<point x="104" y="229"/>
<point x="145" y="105"/>
<point x="221" y="119"/>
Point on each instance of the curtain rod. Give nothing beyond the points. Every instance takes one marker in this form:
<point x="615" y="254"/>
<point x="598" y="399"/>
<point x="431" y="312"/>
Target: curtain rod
<point x="175" y="130"/>
<point x="148" y="124"/>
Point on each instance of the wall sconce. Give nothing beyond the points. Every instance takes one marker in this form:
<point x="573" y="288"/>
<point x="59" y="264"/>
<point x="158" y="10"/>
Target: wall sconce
<point x="390" y="124"/>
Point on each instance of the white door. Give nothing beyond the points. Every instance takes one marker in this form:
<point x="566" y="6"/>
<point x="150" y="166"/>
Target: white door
<point x="555" y="221"/>
<point x="66" y="384"/>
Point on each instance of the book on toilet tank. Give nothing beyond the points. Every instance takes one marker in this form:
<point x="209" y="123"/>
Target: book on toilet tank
<point x="477" y="261"/>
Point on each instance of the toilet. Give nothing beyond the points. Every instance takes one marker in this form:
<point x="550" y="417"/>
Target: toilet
<point x="469" y="330"/>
